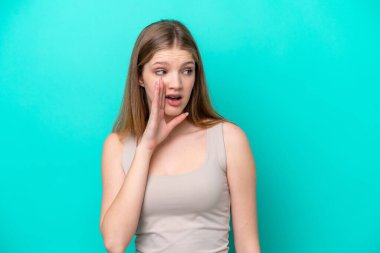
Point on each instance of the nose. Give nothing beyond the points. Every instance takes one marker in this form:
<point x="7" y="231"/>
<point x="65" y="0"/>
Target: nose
<point x="173" y="82"/>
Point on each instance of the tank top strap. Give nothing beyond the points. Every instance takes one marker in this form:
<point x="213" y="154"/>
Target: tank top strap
<point x="129" y="149"/>
<point x="217" y="148"/>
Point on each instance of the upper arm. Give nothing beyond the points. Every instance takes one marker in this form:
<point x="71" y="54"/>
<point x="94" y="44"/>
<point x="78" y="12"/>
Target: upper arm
<point x="112" y="172"/>
<point x="241" y="174"/>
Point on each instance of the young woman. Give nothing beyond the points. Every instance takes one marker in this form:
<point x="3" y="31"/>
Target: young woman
<point x="172" y="168"/>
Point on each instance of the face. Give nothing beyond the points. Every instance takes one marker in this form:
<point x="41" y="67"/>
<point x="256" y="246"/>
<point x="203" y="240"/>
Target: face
<point x="177" y="69"/>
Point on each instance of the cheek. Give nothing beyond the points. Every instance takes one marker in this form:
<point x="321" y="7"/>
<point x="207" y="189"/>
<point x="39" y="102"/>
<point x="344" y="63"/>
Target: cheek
<point x="190" y="89"/>
<point x="149" y="93"/>
<point x="150" y="88"/>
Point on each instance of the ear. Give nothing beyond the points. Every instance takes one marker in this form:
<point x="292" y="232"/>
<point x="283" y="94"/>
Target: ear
<point x="141" y="83"/>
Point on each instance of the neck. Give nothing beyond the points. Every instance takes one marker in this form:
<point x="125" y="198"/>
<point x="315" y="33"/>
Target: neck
<point x="181" y="128"/>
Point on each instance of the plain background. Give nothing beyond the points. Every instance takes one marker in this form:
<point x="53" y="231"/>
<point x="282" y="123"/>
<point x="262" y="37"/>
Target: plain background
<point x="301" y="78"/>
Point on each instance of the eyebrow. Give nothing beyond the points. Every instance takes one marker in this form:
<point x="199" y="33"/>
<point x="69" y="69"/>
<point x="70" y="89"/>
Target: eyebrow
<point x="165" y="63"/>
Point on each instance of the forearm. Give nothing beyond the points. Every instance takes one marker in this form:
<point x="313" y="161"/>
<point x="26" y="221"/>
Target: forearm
<point x="251" y="246"/>
<point x="121" y="219"/>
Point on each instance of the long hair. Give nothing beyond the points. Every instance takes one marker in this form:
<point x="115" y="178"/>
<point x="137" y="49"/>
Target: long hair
<point x="134" y="111"/>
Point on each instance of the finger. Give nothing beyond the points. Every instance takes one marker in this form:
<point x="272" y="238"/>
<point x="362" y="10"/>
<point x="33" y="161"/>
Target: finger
<point x="160" y="97"/>
<point x="163" y="99"/>
<point x="154" y="106"/>
<point x="174" y="122"/>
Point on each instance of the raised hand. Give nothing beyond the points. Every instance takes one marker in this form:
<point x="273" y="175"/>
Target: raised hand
<point x="157" y="129"/>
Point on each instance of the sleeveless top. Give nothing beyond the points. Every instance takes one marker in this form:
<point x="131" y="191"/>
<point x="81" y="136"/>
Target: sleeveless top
<point x="187" y="212"/>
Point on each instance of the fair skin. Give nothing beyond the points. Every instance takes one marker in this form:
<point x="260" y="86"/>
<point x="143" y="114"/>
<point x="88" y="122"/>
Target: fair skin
<point x="175" y="68"/>
<point x="167" y="132"/>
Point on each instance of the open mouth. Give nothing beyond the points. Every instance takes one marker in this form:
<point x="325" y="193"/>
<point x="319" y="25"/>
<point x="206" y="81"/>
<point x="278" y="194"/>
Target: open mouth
<point x="174" y="97"/>
<point x="174" y="100"/>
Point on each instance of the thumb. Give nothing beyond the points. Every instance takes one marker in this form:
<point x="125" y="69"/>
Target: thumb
<point x="174" y="122"/>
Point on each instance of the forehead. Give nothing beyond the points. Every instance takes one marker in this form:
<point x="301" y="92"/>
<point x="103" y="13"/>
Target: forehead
<point x="173" y="56"/>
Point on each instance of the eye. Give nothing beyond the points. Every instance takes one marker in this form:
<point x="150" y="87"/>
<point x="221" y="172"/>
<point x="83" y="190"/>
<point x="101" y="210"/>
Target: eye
<point x="158" y="71"/>
<point x="189" y="71"/>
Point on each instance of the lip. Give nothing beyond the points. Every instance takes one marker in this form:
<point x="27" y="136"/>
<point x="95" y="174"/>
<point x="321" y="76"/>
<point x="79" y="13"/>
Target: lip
<point x="177" y="95"/>
<point x="174" y="102"/>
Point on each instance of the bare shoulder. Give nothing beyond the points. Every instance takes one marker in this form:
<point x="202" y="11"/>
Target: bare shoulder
<point x="233" y="135"/>
<point x="113" y="139"/>
<point x="112" y="146"/>
<point x="236" y="144"/>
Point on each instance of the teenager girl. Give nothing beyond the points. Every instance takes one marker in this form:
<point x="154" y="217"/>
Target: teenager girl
<point x="173" y="169"/>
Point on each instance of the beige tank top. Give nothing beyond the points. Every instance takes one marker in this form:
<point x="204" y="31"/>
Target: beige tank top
<point x="188" y="212"/>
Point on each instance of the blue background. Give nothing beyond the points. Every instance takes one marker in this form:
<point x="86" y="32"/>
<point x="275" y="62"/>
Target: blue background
<point x="301" y="78"/>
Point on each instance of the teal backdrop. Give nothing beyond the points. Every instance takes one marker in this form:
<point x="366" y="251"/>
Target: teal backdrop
<point x="301" y="78"/>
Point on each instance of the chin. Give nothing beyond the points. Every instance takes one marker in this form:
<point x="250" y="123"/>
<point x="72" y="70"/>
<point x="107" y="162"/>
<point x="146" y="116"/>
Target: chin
<point x="173" y="112"/>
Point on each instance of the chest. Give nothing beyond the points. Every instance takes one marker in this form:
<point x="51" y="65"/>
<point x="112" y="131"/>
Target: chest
<point x="183" y="155"/>
<point x="200" y="190"/>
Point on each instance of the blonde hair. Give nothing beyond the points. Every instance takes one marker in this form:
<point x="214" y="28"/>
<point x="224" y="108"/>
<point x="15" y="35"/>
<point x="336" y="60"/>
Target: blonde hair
<point x="134" y="112"/>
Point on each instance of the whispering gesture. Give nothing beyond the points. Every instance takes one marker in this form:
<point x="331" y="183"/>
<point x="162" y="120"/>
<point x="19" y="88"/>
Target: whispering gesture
<point x="157" y="129"/>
